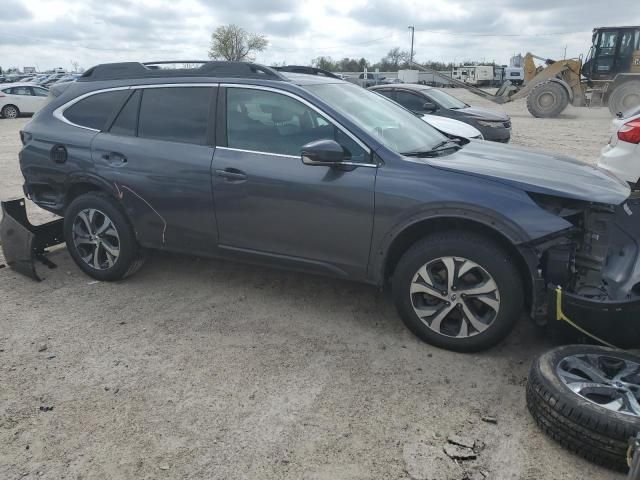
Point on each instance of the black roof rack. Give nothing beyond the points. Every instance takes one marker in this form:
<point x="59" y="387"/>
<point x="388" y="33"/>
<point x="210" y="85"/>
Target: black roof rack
<point x="307" y="70"/>
<point x="125" y="70"/>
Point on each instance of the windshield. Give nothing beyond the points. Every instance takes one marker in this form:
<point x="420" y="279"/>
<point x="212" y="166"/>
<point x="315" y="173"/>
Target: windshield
<point x="444" y="99"/>
<point x="393" y="126"/>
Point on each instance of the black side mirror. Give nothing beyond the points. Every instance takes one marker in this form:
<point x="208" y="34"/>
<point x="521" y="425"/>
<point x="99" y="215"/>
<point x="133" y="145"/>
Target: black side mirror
<point x="322" y="152"/>
<point x="429" y="107"/>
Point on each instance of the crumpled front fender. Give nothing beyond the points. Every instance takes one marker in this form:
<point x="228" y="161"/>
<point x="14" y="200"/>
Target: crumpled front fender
<point x="24" y="243"/>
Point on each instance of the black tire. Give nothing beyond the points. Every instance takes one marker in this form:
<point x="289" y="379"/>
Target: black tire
<point x="491" y="258"/>
<point x="590" y="430"/>
<point x="625" y="97"/>
<point x="547" y="100"/>
<point x="10" y="111"/>
<point x="130" y="258"/>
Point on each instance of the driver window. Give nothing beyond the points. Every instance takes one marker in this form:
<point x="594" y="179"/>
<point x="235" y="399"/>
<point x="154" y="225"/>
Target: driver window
<point x="270" y="122"/>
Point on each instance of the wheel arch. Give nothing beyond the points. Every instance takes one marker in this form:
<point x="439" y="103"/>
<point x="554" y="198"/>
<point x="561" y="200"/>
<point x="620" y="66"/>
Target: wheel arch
<point x="77" y="185"/>
<point x="501" y="233"/>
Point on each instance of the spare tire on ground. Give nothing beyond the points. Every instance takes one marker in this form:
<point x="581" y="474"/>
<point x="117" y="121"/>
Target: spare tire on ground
<point x="588" y="399"/>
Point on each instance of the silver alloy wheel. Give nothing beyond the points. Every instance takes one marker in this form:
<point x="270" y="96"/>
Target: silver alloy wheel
<point x="96" y="239"/>
<point x="10" y="112"/>
<point x="606" y="380"/>
<point x="455" y="297"/>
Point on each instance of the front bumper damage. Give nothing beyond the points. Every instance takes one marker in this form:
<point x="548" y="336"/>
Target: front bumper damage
<point x="599" y="298"/>
<point x="23" y="243"/>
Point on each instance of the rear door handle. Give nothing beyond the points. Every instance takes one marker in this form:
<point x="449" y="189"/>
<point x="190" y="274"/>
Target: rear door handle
<point x="114" y="158"/>
<point x="231" y="174"/>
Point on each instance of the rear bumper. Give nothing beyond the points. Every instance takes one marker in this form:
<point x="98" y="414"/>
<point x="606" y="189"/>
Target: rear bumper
<point x="24" y="243"/>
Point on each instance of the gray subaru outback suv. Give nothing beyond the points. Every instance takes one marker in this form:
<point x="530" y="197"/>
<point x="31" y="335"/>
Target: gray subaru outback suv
<point x="311" y="173"/>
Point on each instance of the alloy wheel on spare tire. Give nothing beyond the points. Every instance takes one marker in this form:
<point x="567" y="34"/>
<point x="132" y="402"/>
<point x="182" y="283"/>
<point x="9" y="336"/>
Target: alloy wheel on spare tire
<point x="587" y="398"/>
<point x="10" y="111"/>
<point x="459" y="291"/>
<point x="547" y="100"/>
<point x="100" y="239"/>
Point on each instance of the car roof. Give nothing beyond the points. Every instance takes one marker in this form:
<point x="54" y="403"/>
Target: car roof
<point x="19" y="84"/>
<point x="406" y="86"/>
<point x="303" y="79"/>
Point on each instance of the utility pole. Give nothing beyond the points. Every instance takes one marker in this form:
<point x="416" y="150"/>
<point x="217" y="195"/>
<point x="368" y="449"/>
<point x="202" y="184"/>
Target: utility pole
<point x="412" y="28"/>
<point x="565" y="53"/>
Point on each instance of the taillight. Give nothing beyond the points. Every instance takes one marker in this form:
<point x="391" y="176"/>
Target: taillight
<point x="630" y="132"/>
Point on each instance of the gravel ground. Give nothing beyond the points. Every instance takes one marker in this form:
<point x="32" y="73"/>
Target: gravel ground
<point x="202" y="369"/>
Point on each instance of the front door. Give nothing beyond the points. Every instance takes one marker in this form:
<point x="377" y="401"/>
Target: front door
<point x="270" y="205"/>
<point x="157" y="154"/>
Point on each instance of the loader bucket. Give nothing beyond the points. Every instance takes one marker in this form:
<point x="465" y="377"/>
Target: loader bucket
<point x="24" y="243"/>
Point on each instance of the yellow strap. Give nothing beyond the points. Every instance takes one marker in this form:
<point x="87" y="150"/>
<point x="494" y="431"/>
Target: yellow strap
<point x="562" y="317"/>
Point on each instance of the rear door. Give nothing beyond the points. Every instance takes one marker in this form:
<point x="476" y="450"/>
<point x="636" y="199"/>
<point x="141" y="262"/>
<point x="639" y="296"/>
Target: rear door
<point x="23" y="98"/>
<point x="157" y="153"/>
<point x="270" y="205"/>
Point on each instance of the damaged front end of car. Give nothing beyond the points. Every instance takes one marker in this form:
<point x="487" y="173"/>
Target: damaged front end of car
<point x="592" y="271"/>
<point x="24" y="244"/>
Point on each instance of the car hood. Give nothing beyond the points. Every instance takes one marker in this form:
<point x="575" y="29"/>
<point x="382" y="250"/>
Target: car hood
<point x="452" y="127"/>
<point x="536" y="172"/>
<point x="482" y="114"/>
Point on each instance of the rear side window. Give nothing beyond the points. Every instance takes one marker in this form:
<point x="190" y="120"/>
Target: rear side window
<point x="177" y="114"/>
<point x="127" y="120"/>
<point x="410" y="101"/>
<point x="94" y="110"/>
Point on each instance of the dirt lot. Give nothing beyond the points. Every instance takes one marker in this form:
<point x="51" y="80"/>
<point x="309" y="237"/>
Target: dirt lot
<point x="201" y="369"/>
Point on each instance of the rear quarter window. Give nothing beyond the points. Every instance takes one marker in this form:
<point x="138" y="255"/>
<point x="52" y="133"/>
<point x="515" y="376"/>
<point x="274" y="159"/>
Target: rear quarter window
<point x="94" y="110"/>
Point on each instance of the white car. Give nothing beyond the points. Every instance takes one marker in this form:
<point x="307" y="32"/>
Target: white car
<point x="17" y="98"/>
<point x="456" y="128"/>
<point x="622" y="155"/>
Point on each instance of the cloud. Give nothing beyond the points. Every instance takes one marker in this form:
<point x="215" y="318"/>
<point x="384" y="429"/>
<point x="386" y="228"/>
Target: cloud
<point x="13" y="10"/>
<point x="92" y="31"/>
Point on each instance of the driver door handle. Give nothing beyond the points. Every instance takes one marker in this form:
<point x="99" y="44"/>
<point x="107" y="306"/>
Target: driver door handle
<point x="231" y="174"/>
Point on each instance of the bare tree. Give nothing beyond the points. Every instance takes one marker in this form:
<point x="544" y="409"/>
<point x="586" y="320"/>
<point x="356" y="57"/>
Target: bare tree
<point x="234" y="43"/>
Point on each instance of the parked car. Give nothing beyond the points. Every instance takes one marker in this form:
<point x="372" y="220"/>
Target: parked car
<point x="371" y="80"/>
<point x="18" y="98"/>
<point x="311" y="173"/>
<point x="53" y="78"/>
<point x="70" y="77"/>
<point x="453" y="128"/>
<point x="495" y="126"/>
<point x="622" y="155"/>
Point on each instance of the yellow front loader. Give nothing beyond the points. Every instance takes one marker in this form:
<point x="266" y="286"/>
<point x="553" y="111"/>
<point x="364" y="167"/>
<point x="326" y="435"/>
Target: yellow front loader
<point x="610" y="75"/>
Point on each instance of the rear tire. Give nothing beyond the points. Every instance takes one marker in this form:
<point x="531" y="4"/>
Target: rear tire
<point x="10" y="111"/>
<point x="625" y="97"/>
<point x="547" y="100"/>
<point x="474" y="312"/>
<point x="100" y="239"/>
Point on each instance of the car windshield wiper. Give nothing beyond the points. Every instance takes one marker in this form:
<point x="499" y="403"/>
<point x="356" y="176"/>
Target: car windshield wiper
<point x="435" y="151"/>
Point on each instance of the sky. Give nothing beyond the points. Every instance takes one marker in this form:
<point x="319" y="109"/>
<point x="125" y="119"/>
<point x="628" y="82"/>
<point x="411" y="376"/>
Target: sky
<point x="58" y="33"/>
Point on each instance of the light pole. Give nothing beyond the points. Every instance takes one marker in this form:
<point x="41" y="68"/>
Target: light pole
<point x="412" y="28"/>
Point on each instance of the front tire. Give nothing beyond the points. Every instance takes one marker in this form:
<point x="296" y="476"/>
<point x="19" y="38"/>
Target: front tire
<point x="100" y="239"/>
<point x="459" y="291"/>
<point x="547" y="100"/>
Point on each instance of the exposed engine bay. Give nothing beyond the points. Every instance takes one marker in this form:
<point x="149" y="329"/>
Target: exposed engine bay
<point x="596" y="266"/>
<point x="600" y="258"/>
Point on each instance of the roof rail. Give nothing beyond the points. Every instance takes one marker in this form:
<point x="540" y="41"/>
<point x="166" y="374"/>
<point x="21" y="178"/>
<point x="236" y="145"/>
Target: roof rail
<point x="307" y="70"/>
<point x="126" y="70"/>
